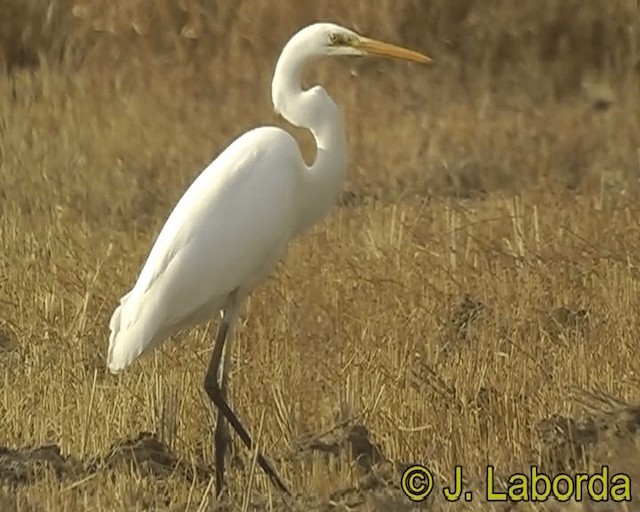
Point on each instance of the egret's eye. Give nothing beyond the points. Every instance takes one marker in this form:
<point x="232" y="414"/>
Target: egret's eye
<point x="334" y="38"/>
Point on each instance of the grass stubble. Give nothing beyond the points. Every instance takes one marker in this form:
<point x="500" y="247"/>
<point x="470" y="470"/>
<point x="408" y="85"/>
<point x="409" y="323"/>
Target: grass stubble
<point x="473" y="299"/>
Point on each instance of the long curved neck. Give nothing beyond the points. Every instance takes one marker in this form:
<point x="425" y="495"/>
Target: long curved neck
<point x="315" y="110"/>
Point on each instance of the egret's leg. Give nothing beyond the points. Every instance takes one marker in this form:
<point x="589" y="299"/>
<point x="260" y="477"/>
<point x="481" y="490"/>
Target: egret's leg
<point x="217" y="393"/>
<point x="221" y="437"/>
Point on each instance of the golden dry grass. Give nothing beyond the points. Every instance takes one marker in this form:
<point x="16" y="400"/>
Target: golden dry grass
<point x="479" y="276"/>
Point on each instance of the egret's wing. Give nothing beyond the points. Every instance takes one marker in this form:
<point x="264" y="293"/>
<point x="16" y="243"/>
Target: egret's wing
<point x="231" y="223"/>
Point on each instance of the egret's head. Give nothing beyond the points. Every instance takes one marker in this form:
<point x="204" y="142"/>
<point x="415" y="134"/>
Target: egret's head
<point x="325" y="39"/>
<point x="338" y="40"/>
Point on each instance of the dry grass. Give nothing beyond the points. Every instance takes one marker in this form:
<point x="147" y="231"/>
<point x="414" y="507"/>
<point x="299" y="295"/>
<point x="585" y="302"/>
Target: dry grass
<point x="479" y="276"/>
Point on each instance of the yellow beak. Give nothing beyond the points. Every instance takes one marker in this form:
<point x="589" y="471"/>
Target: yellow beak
<point x="374" y="47"/>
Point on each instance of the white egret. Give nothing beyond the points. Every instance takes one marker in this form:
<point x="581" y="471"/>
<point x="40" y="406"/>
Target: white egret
<point x="231" y="227"/>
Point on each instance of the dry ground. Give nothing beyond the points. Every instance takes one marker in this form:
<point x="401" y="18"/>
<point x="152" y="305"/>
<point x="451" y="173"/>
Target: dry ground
<point x="473" y="300"/>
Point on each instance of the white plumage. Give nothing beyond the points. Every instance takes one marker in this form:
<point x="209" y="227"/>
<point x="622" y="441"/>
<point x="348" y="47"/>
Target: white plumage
<point x="227" y="231"/>
<point x="232" y="225"/>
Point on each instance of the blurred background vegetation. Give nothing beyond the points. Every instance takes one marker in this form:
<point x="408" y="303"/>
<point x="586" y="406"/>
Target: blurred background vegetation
<point x="527" y="42"/>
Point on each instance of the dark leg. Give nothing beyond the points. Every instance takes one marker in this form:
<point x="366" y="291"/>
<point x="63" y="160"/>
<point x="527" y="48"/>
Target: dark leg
<point x="221" y="436"/>
<point x="217" y="393"/>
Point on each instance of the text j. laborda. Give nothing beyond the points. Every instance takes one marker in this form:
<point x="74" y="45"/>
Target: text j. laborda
<point x="418" y="483"/>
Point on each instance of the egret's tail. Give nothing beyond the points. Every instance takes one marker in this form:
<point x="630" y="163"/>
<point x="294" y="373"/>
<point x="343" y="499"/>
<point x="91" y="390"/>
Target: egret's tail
<point x="128" y="337"/>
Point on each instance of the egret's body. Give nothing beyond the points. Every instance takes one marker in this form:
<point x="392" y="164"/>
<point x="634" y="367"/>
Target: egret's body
<point x="232" y="226"/>
<point x="227" y="232"/>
